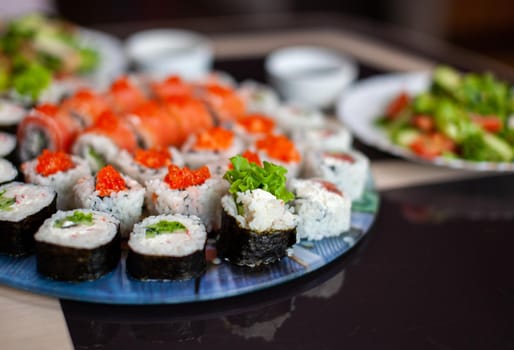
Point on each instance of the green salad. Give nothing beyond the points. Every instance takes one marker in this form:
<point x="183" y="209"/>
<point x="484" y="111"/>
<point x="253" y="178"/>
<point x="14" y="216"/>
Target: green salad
<point x="35" y="49"/>
<point x="467" y="116"/>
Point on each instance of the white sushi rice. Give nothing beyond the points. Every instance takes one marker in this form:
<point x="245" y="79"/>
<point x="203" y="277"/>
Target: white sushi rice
<point x="349" y="177"/>
<point x="8" y="172"/>
<point x="202" y="200"/>
<point x="197" y="158"/>
<point x="126" y="205"/>
<point x="259" y="98"/>
<point x="321" y="212"/>
<point x="101" y="144"/>
<point x="176" y="244"/>
<point x="30" y="199"/>
<point x="126" y="164"/>
<point x="290" y="117"/>
<point x="262" y="211"/>
<point x="11" y="113"/>
<point x="102" y="231"/>
<point x="62" y="182"/>
<point x="333" y="137"/>
<point x="7" y="144"/>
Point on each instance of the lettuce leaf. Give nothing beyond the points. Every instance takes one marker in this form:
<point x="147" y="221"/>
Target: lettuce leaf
<point x="249" y="176"/>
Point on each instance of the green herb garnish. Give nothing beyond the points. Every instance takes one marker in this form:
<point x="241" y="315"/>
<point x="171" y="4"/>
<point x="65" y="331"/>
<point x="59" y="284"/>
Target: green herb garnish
<point x="77" y="218"/>
<point x="164" y="226"/>
<point x="250" y="176"/>
<point x="6" y="203"/>
<point x="96" y="157"/>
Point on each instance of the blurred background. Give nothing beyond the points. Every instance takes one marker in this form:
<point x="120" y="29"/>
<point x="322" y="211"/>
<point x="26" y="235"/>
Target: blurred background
<point x="485" y="26"/>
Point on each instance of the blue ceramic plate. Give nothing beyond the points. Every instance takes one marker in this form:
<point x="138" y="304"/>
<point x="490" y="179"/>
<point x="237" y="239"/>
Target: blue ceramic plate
<point x="220" y="281"/>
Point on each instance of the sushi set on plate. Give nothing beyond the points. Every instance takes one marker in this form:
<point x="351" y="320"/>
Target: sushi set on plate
<point x="167" y="190"/>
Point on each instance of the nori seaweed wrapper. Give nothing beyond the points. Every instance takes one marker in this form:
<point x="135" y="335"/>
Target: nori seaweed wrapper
<point x="17" y="238"/>
<point x="77" y="264"/>
<point x="245" y="247"/>
<point x="159" y="267"/>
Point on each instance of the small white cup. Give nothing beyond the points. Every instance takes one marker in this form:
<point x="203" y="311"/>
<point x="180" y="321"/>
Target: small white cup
<point x="160" y="52"/>
<point x="310" y="75"/>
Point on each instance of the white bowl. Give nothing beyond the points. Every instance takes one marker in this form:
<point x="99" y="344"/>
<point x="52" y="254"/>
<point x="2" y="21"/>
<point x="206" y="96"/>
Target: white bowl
<point x="170" y="51"/>
<point x="310" y="75"/>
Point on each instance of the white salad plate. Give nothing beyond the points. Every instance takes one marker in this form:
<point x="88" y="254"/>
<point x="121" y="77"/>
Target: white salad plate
<point x="365" y="101"/>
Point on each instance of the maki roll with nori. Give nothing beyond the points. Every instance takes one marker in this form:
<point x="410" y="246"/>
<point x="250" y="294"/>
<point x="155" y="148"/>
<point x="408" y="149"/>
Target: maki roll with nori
<point x="59" y="171"/>
<point x="258" y="227"/>
<point x="167" y="247"/>
<point x="23" y="208"/>
<point x="112" y="192"/>
<point x="78" y="245"/>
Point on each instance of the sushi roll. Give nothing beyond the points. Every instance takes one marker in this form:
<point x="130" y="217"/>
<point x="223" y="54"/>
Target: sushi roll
<point x="211" y="146"/>
<point x="259" y="98"/>
<point x="111" y="192"/>
<point x="8" y="147"/>
<point x="188" y="192"/>
<point x="348" y="170"/>
<point x="23" y="208"/>
<point x="190" y="116"/>
<point x="279" y="149"/>
<point x="332" y="137"/>
<point x="147" y="164"/>
<point x="291" y="117"/>
<point x="254" y="126"/>
<point x="78" y="245"/>
<point x="258" y="227"/>
<point x="11" y="114"/>
<point x="172" y="86"/>
<point x="126" y="93"/>
<point x="58" y="170"/>
<point x="8" y="172"/>
<point x="101" y="143"/>
<point x="322" y="210"/>
<point x="167" y="247"/>
<point x="85" y="105"/>
<point x="46" y="127"/>
<point x="224" y="102"/>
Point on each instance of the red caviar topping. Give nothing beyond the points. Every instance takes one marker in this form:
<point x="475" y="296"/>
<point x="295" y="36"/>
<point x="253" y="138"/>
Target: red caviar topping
<point x="49" y="162"/>
<point x="108" y="180"/>
<point x="257" y="123"/>
<point x="214" y="139"/>
<point x="279" y="147"/>
<point x="181" y="178"/>
<point x="154" y="158"/>
<point x="47" y="109"/>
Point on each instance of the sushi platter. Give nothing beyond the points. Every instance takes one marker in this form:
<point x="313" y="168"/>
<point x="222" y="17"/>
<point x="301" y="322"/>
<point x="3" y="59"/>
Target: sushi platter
<point x="169" y="190"/>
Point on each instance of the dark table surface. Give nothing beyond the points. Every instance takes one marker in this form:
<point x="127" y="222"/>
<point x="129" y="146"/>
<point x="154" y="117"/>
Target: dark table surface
<point x="436" y="270"/>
